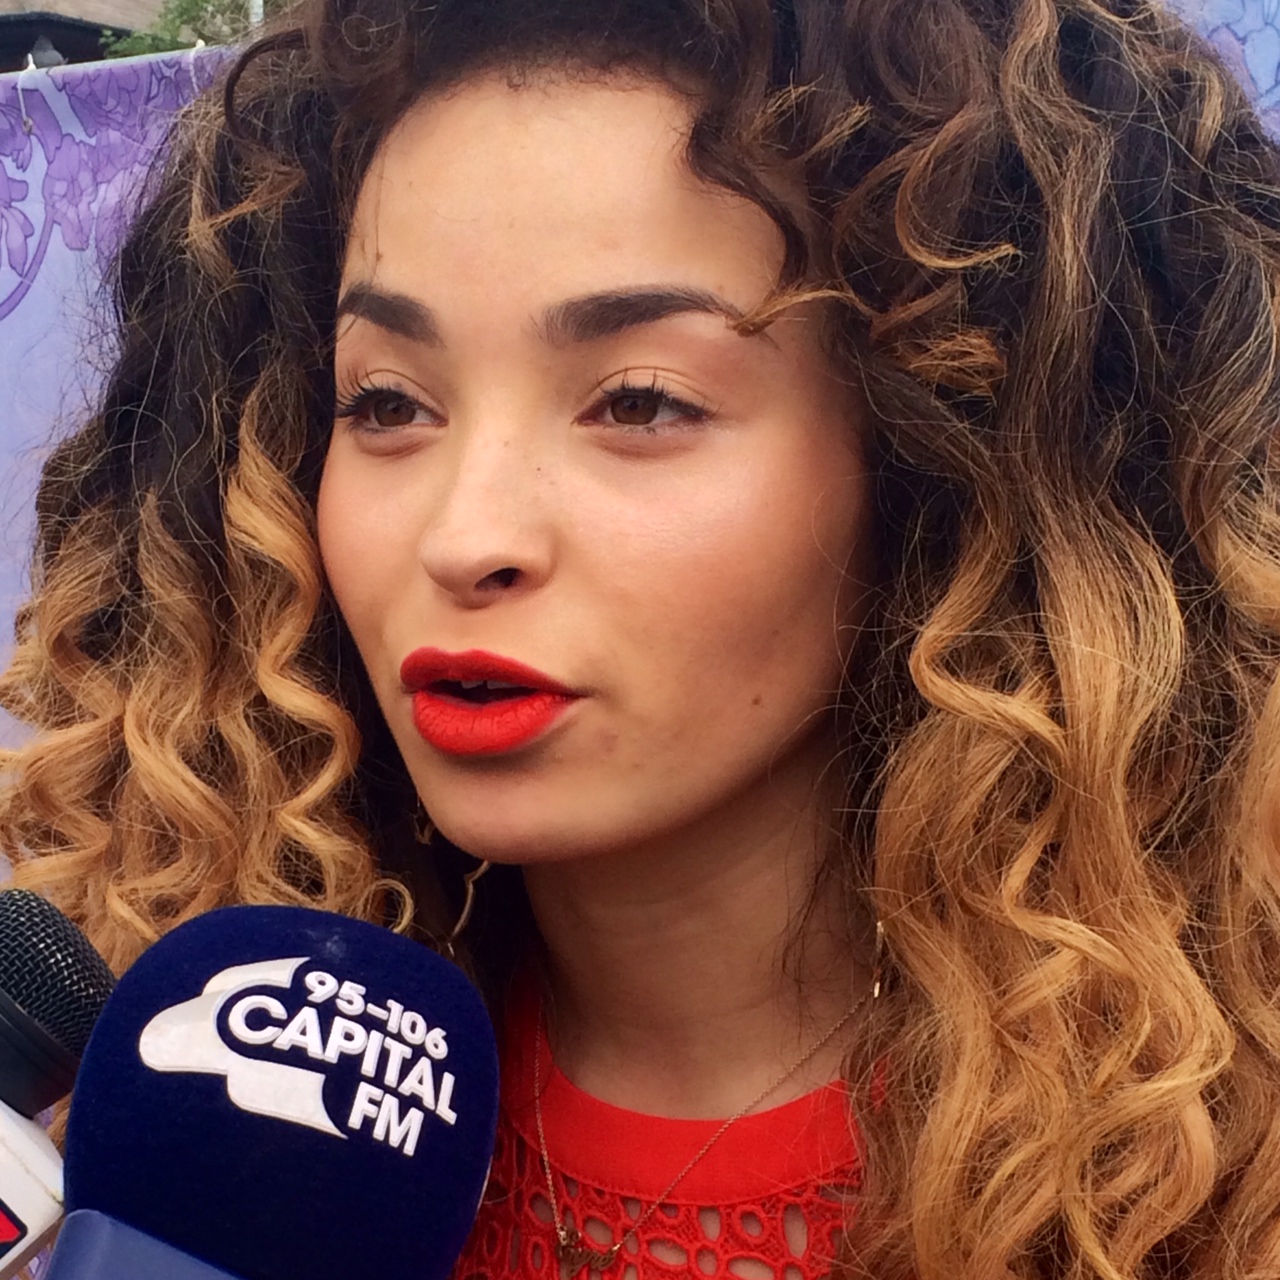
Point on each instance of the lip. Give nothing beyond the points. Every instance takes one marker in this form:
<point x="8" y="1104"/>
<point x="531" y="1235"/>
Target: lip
<point x="460" y="728"/>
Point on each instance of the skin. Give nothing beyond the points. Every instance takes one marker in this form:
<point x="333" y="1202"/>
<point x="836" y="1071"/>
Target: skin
<point x="695" y="571"/>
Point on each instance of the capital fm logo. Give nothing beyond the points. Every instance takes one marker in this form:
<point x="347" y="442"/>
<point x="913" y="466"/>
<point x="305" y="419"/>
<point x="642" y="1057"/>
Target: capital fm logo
<point x="399" y="1053"/>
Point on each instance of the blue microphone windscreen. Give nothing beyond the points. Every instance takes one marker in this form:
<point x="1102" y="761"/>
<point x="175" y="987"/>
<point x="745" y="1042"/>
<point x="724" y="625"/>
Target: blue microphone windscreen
<point x="288" y="1093"/>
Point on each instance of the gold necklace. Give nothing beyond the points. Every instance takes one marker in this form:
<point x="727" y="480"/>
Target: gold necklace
<point x="571" y="1249"/>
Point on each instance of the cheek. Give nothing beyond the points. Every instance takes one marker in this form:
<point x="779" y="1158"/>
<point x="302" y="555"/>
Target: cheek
<point x="744" y="589"/>
<point x="348" y="527"/>
<point x="334" y="536"/>
<point x="793" y="590"/>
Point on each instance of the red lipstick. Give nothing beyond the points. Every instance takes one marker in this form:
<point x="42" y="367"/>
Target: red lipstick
<point x="478" y="704"/>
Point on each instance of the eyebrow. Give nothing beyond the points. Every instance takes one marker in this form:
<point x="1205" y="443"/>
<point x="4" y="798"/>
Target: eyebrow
<point x="576" y="320"/>
<point x="397" y="313"/>
<point x="601" y="315"/>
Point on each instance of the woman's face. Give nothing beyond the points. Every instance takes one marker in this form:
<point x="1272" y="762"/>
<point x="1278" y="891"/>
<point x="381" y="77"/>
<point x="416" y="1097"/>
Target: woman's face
<point x="552" y="452"/>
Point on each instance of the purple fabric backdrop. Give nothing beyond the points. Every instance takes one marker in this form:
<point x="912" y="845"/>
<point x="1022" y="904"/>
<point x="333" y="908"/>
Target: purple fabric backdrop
<point x="75" y="146"/>
<point x="1247" y="35"/>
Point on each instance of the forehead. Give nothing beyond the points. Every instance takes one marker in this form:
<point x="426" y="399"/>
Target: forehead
<point x="584" y="183"/>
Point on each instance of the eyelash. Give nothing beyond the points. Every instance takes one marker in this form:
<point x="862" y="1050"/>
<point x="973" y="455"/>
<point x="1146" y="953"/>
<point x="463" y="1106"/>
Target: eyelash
<point x="360" y="403"/>
<point x="687" y="413"/>
<point x="362" y="400"/>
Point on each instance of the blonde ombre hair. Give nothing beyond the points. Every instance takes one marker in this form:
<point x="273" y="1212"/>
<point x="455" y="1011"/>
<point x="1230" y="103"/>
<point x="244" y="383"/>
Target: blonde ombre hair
<point x="1048" y="236"/>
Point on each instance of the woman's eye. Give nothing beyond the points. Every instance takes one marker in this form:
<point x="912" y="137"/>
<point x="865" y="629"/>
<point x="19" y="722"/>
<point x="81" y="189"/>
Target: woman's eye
<point x="382" y="408"/>
<point x="645" y="409"/>
<point x="635" y="409"/>
<point x="392" y="410"/>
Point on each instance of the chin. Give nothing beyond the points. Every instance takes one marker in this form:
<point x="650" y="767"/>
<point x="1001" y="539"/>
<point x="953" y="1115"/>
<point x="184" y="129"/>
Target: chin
<point x="531" y="838"/>
<point x="507" y="838"/>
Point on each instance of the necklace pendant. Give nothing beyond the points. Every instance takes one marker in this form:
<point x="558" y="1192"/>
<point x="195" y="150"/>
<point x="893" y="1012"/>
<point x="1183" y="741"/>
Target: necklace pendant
<point x="576" y="1255"/>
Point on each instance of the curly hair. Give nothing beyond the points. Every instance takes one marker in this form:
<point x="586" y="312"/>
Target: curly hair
<point x="1048" y="234"/>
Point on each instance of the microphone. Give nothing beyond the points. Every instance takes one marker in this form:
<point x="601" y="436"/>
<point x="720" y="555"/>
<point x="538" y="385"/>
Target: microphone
<point x="275" y="1092"/>
<point x="53" y="985"/>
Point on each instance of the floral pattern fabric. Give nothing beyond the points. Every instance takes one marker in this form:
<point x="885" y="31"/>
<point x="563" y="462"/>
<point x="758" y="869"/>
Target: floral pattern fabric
<point x="76" y="146"/>
<point x="1246" y="34"/>
<point x="76" y="143"/>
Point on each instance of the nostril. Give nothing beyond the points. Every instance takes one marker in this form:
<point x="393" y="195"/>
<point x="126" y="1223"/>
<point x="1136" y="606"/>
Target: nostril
<point x="500" y="578"/>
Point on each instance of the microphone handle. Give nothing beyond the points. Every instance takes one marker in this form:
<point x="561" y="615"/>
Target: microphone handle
<point x="30" y="1190"/>
<point x="92" y="1246"/>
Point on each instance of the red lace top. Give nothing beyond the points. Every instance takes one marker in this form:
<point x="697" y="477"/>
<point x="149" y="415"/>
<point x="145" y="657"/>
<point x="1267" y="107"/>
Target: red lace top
<point x="765" y="1203"/>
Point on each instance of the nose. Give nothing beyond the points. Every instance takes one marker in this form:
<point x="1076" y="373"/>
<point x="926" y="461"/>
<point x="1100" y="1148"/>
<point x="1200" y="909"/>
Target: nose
<point x="487" y="536"/>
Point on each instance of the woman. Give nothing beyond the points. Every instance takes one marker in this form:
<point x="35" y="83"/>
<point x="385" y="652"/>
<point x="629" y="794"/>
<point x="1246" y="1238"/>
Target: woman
<point x="790" y="489"/>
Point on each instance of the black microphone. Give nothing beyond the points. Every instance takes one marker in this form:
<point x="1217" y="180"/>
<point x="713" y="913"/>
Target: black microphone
<point x="273" y="1092"/>
<point x="53" y="985"/>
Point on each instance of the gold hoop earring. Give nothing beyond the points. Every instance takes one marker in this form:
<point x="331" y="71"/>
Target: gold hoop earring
<point x="468" y="903"/>
<point x="424" y="829"/>
<point x="877" y="961"/>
